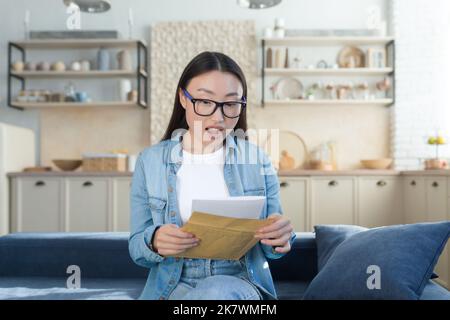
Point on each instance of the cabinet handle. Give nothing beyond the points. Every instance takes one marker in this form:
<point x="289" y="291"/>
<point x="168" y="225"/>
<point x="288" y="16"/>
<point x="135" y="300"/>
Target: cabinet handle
<point x="87" y="184"/>
<point x="381" y="183"/>
<point x="39" y="183"/>
<point x="284" y="184"/>
<point x="333" y="183"/>
<point x="413" y="183"/>
<point x="435" y="184"/>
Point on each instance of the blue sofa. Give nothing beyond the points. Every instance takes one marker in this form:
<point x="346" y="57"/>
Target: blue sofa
<point x="34" y="266"/>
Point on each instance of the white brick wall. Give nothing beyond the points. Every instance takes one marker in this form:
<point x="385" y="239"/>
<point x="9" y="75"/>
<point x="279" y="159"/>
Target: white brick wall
<point x="422" y="32"/>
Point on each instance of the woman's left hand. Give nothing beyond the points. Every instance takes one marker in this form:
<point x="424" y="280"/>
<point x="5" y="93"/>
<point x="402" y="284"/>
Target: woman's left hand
<point x="277" y="234"/>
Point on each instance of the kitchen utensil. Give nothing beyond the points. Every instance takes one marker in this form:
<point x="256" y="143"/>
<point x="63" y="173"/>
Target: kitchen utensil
<point x="85" y="65"/>
<point x="379" y="164"/>
<point x="67" y="164"/>
<point x="436" y="164"/>
<point x="132" y="96"/>
<point x="18" y="66"/>
<point x="283" y="146"/>
<point x="58" y="66"/>
<point x="351" y="57"/>
<point x="124" y="60"/>
<point x="320" y="165"/>
<point x="132" y="162"/>
<point x="81" y="96"/>
<point x="124" y="88"/>
<point x="103" y="59"/>
<point x="30" y="66"/>
<point x="323" y="157"/>
<point x="75" y="66"/>
<point x="43" y="66"/>
<point x="288" y="88"/>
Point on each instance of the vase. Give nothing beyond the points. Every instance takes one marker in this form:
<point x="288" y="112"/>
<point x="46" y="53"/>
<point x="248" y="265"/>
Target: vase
<point x="103" y="59"/>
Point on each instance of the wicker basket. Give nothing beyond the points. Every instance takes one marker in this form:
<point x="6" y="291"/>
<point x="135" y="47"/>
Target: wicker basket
<point x="105" y="162"/>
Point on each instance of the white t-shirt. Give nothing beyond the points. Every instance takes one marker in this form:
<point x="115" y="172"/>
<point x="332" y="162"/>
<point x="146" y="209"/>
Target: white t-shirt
<point x="200" y="177"/>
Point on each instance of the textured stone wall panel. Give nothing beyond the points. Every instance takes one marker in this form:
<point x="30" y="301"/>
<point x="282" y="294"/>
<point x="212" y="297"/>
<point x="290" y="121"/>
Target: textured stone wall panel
<point x="174" y="44"/>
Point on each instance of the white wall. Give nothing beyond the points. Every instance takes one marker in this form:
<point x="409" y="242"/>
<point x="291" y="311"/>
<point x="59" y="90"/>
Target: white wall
<point x="50" y="15"/>
<point x="422" y="31"/>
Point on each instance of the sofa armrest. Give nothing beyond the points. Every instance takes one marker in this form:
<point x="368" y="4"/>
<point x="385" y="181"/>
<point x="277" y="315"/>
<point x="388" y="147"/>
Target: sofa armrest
<point x="300" y="263"/>
<point x="99" y="255"/>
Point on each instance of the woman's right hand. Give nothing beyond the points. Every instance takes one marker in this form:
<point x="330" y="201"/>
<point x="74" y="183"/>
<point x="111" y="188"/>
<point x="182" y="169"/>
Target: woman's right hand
<point x="169" y="239"/>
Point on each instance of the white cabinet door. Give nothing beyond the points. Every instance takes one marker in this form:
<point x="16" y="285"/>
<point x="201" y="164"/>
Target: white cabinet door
<point x="121" y="207"/>
<point x="333" y="200"/>
<point x="379" y="201"/>
<point x="36" y="204"/>
<point x="293" y="196"/>
<point x="414" y="199"/>
<point x="436" y="190"/>
<point x="88" y="205"/>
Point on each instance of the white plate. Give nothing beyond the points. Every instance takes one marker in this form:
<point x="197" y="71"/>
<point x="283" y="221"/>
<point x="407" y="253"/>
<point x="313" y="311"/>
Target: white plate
<point x="288" y="88"/>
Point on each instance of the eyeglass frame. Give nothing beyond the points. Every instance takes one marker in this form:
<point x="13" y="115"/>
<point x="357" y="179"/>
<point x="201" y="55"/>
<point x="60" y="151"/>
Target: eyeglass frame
<point x="243" y="103"/>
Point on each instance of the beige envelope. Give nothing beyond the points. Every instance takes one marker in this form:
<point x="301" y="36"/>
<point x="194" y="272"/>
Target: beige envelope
<point x="221" y="237"/>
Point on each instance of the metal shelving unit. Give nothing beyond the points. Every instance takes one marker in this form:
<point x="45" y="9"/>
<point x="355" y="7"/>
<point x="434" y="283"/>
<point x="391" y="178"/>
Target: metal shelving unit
<point x="141" y="72"/>
<point x="387" y="42"/>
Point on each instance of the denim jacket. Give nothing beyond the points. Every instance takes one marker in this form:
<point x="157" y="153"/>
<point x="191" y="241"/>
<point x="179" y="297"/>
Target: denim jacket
<point x="247" y="171"/>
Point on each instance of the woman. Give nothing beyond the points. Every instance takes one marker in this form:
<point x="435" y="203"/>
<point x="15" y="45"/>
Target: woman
<point x="201" y="156"/>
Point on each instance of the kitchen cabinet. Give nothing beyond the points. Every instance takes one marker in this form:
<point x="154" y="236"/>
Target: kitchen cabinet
<point x="414" y="200"/>
<point x="437" y="208"/>
<point x="36" y="205"/>
<point x="121" y="207"/>
<point x="379" y="201"/>
<point x="332" y="200"/>
<point x="70" y="203"/>
<point x="426" y="199"/>
<point x="87" y="207"/>
<point x="294" y="200"/>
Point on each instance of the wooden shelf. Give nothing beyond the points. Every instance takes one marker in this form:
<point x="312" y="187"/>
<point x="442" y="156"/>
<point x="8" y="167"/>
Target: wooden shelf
<point x="330" y="72"/>
<point x="76" y="43"/>
<point x="49" y="105"/>
<point x="381" y="102"/>
<point x="327" y="41"/>
<point x="76" y="74"/>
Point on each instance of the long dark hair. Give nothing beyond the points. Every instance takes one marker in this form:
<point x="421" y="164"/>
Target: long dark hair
<point x="202" y="63"/>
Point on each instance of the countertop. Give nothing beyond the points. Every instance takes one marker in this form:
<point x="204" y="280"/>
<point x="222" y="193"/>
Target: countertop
<point x="290" y="173"/>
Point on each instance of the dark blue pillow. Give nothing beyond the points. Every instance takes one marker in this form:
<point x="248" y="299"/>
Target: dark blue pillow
<point x="401" y="257"/>
<point x="328" y="237"/>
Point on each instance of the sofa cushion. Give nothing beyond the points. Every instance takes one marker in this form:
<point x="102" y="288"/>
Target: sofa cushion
<point x="434" y="291"/>
<point x="329" y="237"/>
<point x="291" y="290"/>
<point x="403" y="256"/>
<point x="51" y="288"/>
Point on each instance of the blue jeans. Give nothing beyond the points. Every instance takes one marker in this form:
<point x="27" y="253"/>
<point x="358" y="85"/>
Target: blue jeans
<point x="206" y="279"/>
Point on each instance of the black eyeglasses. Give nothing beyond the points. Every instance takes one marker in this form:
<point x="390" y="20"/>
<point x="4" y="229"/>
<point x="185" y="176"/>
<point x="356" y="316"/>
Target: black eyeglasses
<point x="206" y="107"/>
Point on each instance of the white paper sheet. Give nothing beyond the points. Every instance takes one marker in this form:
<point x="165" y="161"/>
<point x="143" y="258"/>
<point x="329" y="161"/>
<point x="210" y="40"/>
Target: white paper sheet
<point x="245" y="207"/>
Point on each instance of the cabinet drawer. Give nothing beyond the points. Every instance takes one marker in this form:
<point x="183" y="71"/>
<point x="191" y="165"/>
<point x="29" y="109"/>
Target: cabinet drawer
<point x="87" y="205"/>
<point x="333" y="201"/>
<point x="36" y="205"/>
